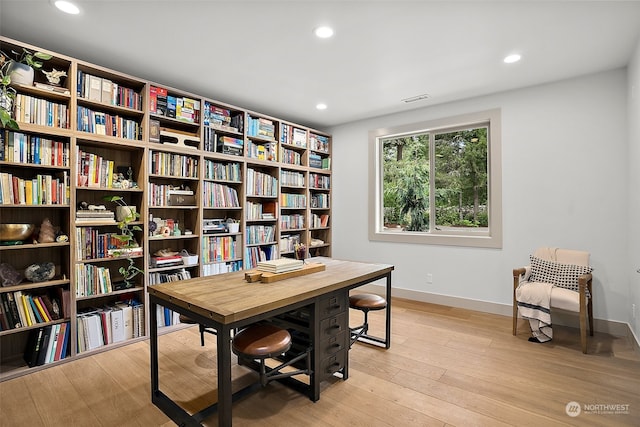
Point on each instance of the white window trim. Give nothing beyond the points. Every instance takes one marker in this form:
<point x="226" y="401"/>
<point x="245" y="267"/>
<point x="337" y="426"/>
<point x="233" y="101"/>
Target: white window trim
<point x="467" y="237"/>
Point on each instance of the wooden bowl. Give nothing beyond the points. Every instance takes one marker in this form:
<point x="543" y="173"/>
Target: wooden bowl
<point x="15" y="232"/>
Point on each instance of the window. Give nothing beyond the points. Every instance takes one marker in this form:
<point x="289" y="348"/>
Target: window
<point x="438" y="182"/>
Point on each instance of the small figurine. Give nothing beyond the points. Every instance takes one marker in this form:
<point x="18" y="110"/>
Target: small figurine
<point x="47" y="233"/>
<point x="54" y="75"/>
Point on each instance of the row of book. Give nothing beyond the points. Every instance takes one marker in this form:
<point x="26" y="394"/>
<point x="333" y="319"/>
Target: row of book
<point x="319" y="221"/>
<point x="319" y="181"/>
<point x="262" y="151"/>
<point x="94" y="170"/>
<point x="293" y="201"/>
<point x="48" y="344"/>
<point x="257" y="210"/>
<point x="98" y="327"/>
<point x="261" y="127"/>
<point x="319" y="143"/>
<point x="290" y="157"/>
<point x="103" y="90"/>
<point x="219" y="196"/>
<point x="171" y="164"/>
<point x="20" y="309"/>
<point x="291" y="178"/>
<point x="181" y="108"/>
<point x="92" y="243"/>
<point x="166" y="317"/>
<point x="100" y="123"/>
<point x="291" y="222"/>
<point x="288" y="242"/>
<point x="219" y="248"/>
<point x="168" y="276"/>
<point x="261" y="184"/>
<point x="319" y="162"/>
<point x="38" y="111"/>
<point x="293" y="136"/>
<point x="161" y="195"/>
<point x="213" y="115"/>
<point x="254" y="254"/>
<point x="92" y="280"/>
<point x="260" y="234"/>
<point x="222" y="171"/>
<point x="21" y="148"/>
<point x="40" y="190"/>
<point x="221" y="267"/>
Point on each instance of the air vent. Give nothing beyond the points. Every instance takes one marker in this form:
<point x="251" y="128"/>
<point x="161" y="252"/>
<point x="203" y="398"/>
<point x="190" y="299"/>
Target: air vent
<point x="416" y="98"/>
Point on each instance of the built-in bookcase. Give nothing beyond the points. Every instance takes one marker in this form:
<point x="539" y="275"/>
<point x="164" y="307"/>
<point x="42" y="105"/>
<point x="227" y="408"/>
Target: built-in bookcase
<point x="217" y="187"/>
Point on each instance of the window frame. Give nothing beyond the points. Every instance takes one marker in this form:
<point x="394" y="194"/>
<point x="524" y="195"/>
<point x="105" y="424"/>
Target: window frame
<point x="462" y="237"/>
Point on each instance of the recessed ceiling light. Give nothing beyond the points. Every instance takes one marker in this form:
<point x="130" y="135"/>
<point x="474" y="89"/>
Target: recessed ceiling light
<point x="323" y="32"/>
<point x="66" y="7"/>
<point x="512" y="58"/>
<point x="321" y="106"/>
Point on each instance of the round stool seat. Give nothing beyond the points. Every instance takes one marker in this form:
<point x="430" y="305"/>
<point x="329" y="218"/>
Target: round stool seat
<point x="367" y="302"/>
<point x="260" y="341"/>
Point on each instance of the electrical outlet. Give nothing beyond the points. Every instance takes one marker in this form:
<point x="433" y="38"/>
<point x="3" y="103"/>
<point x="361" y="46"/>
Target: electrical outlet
<point x="429" y="278"/>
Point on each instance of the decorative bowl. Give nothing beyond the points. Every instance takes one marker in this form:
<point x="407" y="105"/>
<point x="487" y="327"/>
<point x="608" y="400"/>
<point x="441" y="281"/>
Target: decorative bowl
<point x="15" y="232"/>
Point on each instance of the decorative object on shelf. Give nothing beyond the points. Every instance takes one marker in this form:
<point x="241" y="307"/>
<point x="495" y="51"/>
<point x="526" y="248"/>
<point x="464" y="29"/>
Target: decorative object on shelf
<point x="125" y="211"/>
<point x="9" y="276"/>
<point x="7" y="95"/>
<point x="165" y="252"/>
<point x="62" y="238"/>
<point x="47" y="233"/>
<point x="232" y="225"/>
<point x="53" y="76"/>
<point x="40" y="272"/>
<point x="15" y="234"/>
<point x="127" y="238"/>
<point x="300" y="251"/>
<point x="22" y="68"/>
<point x="176" y="229"/>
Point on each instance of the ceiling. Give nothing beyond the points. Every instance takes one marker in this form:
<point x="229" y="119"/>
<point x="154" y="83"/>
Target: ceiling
<point x="263" y="56"/>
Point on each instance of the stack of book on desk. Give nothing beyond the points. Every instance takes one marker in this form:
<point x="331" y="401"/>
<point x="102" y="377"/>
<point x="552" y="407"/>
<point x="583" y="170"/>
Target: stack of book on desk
<point x="281" y="265"/>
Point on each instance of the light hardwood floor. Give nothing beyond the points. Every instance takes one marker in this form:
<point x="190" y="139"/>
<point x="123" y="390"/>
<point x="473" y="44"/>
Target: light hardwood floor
<point x="446" y="367"/>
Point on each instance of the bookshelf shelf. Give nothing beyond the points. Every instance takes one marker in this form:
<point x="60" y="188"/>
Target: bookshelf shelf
<point x="223" y="164"/>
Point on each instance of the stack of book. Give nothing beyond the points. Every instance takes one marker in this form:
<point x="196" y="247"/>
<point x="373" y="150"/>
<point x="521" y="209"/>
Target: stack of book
<point x="281" y="265"/>
<point x="101" y="216"/>
<point x="166" y="261"/>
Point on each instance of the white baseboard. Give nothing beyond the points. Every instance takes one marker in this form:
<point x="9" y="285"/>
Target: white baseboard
<point x="612" y="327"/>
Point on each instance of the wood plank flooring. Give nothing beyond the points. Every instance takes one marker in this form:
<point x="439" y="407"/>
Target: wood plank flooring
<point x="446" y="367"/>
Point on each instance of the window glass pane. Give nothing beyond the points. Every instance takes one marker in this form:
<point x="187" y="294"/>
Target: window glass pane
<point x="405" y="183"/>
<point x="461" y="185"/>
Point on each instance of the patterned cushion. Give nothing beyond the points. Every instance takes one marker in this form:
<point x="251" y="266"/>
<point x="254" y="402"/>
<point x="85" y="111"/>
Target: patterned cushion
<point x="562" y="275"/>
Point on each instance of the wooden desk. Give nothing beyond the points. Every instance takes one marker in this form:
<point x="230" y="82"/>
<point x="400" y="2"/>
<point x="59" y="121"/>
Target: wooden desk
<point x="226" y="302"/>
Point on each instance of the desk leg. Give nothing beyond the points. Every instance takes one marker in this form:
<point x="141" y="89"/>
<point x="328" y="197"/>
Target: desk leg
<point x="153" y="350"/>
<point x="388" y="313"/>
<point x="225" y="394"/>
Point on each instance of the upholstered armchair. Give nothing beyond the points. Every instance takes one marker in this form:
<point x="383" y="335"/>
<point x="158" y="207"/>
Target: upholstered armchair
<point x="569" y="273"/>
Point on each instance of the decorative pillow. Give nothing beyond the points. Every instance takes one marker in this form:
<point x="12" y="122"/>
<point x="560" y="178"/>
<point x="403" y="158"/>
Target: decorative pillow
<point x="561" y="275"/>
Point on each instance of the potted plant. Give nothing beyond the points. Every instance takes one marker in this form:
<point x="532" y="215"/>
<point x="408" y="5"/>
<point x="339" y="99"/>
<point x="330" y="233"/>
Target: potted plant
<point x="127" y="238"/>
<point x="7" y="95"/>
<point x="22" y="68"/>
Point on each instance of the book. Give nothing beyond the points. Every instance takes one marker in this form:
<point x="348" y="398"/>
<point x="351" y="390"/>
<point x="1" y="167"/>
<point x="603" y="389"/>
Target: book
<point x="280" y="265"/>
<point x="33" y="346"/>
<point x="60" y="341"/>
<point x="117" y="324"/>
<point x="53" y="341"/>
<point x="59" y="89"/>
<point x="44" y="346"/>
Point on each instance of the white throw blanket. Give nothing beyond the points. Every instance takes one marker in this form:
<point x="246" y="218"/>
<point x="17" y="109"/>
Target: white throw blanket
<point x="534" y="304"/>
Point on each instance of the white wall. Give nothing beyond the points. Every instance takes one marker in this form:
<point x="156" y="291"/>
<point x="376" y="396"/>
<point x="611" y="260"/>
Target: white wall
<point x="565" y="172"/>
<point x="634" y="189"/>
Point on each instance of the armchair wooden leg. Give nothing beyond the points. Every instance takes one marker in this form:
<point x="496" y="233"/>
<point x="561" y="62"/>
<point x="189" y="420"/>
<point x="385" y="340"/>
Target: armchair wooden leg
<point x="515" y="319"/>
<point x="590" y="314"/>
<point x="583" y="332"/>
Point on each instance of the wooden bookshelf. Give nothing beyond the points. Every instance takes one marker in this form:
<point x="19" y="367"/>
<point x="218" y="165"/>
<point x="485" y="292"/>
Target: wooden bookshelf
<point x="113" y="133"/>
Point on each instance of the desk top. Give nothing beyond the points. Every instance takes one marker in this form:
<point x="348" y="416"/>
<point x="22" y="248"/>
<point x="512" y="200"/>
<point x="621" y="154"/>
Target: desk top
<point x="227" y="298"/>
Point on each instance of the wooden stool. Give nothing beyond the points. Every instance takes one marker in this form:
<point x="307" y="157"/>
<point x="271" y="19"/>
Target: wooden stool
<point x="263" y="341"/>
<point x="364" y="303"/>
<point x="202" y="328"/>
